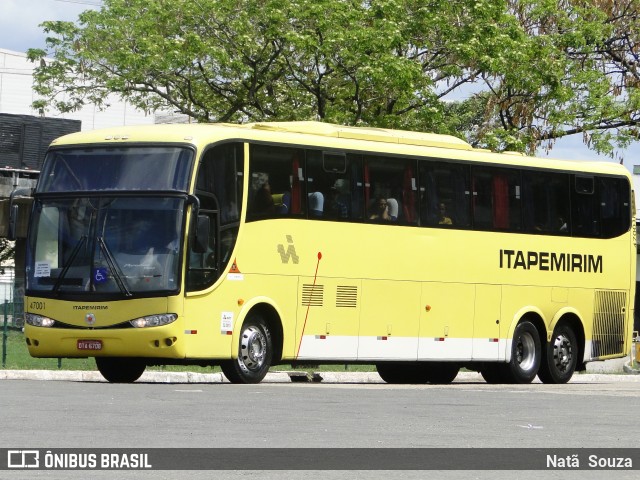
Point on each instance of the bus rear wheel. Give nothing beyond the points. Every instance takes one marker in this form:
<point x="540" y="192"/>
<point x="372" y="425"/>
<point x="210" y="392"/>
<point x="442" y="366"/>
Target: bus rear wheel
<point x="120" y="369"/>
<point x="525" y="355"/>
<point x="401" y="372"/>
<point x="255" y="353"/>
<point x="440" y="372"/>
<point x="561" y="356"/>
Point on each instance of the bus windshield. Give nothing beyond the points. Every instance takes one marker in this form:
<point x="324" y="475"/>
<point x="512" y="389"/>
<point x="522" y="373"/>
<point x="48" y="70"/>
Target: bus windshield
<point x="116" y="168"/>
<point x="119" y="246"/>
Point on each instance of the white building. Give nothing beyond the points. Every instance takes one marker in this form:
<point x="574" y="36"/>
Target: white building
<point x="17" y="95"/>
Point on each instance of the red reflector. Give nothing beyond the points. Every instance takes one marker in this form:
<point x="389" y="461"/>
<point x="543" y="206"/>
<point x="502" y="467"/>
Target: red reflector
<point x="383" y="338"/>
<point x="321" y="337"/>
<point x="494" y="340"/>
<point x="439" y="339"/>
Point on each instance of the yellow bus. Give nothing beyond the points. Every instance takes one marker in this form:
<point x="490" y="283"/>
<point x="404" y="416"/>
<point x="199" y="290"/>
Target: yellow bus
<point x="247" y="246"/>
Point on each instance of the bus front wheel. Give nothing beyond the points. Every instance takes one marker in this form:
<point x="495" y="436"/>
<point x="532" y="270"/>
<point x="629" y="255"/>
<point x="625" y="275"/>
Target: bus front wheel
<point x="120" y="369"/>
<point x="255" y="353"/>
<point x="561" y="356"/>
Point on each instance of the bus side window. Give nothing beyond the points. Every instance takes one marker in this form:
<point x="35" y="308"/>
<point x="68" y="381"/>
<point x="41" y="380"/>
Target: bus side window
<point x="390" y="181"/>
<point x="615" y="206"/>
<point x="334" y="185"/>
<point x="444" y="194"/>
<point x="545" y="202"/>
<point x="584" y="207"/>
<point x="275" y="183"/>
<point x="496" y="199"/>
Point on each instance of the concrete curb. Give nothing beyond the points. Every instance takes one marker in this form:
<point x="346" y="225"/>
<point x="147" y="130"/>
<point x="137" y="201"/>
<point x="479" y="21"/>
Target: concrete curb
<point x="280" y="377"/>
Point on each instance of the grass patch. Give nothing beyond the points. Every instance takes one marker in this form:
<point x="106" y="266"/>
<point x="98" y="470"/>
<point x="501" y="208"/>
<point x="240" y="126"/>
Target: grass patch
<point x="16" y="357"/>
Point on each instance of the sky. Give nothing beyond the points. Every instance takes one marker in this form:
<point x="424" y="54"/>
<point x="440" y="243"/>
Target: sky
<point x="20" y="30"/>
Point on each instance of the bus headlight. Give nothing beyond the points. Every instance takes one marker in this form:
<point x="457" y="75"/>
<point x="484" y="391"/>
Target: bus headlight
<point x="38" y="320"/>
<point x="154" y="320"/>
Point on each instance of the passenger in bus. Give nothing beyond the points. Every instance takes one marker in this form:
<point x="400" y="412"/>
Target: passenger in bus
<point x="316" y="204"/>
<point x="281" y="202"/>
<point x="263" y="201"/>
<point x="443" y="218"/>
<point x="562" y="225"/>
<point x="380" y="211"/>
<point x="392" y="205"/>
<point x="337" y="208"/>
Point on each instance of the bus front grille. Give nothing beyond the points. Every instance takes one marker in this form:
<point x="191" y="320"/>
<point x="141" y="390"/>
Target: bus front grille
<point x="608" y="323"/>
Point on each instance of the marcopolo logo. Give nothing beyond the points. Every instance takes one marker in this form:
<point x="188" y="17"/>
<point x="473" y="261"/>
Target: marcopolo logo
<point x="290" y="253"/>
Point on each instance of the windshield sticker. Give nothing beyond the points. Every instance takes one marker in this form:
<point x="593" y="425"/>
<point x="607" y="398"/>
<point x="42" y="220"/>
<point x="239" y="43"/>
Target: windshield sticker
<point x="43" y="269"/>
<point x="100" y="275"/>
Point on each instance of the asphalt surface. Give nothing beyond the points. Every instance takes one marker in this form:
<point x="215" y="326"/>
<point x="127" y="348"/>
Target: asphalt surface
<point x="279" y="377"/>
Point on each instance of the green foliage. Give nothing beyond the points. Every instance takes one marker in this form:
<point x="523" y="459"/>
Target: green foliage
<point x="7" y="250"/>
<point x="503" y="74"/>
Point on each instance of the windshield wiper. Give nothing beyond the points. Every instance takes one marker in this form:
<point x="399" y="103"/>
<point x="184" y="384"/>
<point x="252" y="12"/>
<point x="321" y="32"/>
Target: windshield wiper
<point x="113" y="266"/>
<point x="72" y="258"/>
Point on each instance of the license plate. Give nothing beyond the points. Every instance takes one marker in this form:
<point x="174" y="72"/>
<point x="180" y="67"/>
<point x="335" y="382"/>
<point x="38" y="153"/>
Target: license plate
<point x="89" y="344"/>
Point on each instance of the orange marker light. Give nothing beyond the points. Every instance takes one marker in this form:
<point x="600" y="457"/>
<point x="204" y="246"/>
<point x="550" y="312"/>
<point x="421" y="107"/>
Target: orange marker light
<point x="428" y="308"/>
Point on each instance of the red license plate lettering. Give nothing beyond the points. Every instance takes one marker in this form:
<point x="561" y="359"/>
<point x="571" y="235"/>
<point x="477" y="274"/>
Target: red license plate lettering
<point x="89" y="344"/>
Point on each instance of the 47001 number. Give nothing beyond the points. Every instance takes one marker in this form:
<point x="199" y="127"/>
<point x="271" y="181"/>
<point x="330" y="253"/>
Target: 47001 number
<point x="36" y="305"/>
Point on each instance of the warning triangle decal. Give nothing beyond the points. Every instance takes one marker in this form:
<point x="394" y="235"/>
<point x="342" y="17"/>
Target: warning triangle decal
<point x="234" y="267"/>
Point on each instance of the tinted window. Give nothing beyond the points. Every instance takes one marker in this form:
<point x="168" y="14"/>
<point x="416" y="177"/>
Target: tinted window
<point x="116" y="168"/>
<point x="496" y="199"/>
<point x="444" y="194"/>
<point x="336" y="179"/>
<point x="585" y="215"/>
<point x="546" y="202"/>
<point x="615" y="206"/>
<point x="390" y="189"/>
<point x="276" y="184"/>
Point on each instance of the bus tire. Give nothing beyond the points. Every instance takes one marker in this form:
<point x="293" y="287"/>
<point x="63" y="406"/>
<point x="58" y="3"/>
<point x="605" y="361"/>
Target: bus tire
<point x="402" y="372"/>
<point x="561" y="356"/>
<point x="120" y="369"/>
<point x="493" y="373"/>
<point x="525" y="354"/>
<point x="255" y="353"/>
<point x="440" y="372"/>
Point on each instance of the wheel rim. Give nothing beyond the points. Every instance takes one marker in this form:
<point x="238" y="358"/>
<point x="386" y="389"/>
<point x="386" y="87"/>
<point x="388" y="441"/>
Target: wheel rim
<point x="526" y="351"/>
<point x="562" y="353"/>
<point x="253" y="349"/>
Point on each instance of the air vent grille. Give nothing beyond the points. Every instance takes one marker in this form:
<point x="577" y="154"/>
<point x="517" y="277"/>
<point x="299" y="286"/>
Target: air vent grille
<point x="608" y="323"/>
<point x="347" y="296"/>
<point x="312" y="295"/>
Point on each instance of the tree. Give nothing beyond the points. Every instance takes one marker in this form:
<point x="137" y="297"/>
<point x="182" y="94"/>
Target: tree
<point x="582" y="77"/>
<point x="7" y="251"/>
<point x="501" y="73"/>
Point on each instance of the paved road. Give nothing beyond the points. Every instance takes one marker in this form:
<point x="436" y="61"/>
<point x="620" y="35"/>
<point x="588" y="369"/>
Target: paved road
<point x="593" y="411"/>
